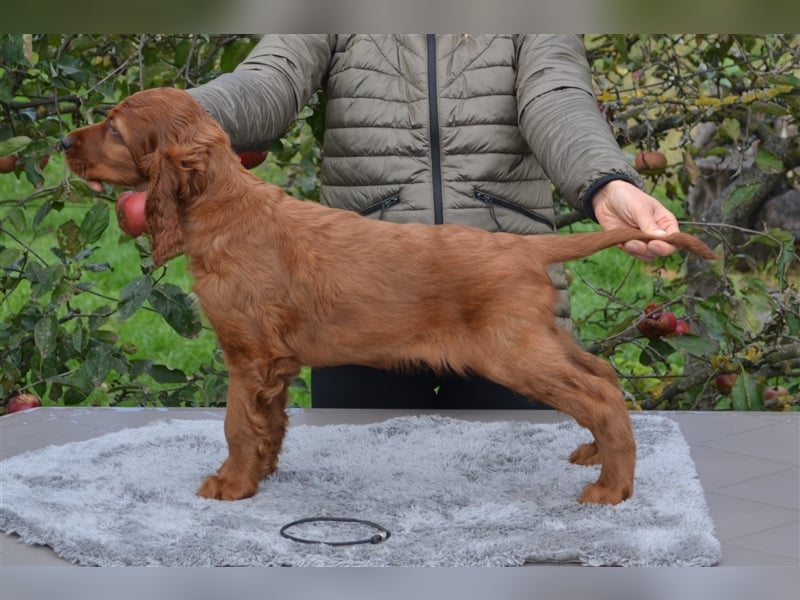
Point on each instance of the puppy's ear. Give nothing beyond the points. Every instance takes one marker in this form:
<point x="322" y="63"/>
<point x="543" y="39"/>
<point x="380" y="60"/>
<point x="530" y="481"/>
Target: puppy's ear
<point x="177" y="159"/>
<point x="166" y="197"/>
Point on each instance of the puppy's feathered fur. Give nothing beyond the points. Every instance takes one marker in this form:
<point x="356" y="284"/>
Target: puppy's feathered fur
<point x="286" y="283"/>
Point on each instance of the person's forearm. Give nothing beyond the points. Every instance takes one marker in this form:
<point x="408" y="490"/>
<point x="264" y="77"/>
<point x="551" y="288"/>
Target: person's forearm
<point x="575" y="145"/>
<point x="258" y="101"/>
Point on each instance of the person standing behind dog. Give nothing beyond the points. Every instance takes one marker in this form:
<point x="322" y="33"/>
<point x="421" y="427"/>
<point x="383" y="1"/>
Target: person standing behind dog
<point x="468" y="129"/>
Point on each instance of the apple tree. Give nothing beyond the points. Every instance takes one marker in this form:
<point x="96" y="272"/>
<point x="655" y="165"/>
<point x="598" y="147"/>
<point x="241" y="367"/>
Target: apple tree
<point x="717" y="117"/>
<point x="58" y="331"/>
<point x="710" y="121"/>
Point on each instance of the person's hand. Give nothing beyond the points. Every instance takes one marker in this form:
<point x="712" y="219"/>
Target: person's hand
<point x="620" y="203"/>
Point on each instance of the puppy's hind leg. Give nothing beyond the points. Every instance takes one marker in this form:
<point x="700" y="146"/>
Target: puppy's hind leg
<point x="548" y="371"/>
<point x="255" y="425"/>
<point x="587" y="454"/>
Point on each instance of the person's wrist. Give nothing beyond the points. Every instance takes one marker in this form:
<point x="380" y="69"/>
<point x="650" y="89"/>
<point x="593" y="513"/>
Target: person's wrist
<point x="605" y="193"/>
<point x="600" y="190"/>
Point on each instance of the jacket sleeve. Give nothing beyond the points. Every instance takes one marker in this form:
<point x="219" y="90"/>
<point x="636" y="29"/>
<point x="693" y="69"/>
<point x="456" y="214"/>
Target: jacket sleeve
<point x="257" y="102"/>
<point x="559" y="118"/>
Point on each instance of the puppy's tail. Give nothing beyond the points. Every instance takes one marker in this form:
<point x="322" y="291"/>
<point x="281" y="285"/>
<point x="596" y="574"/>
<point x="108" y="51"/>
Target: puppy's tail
<point x="555" y="248"/>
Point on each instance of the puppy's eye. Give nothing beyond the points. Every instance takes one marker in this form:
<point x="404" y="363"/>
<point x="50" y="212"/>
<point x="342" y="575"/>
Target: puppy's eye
<point x="113" y="130"/>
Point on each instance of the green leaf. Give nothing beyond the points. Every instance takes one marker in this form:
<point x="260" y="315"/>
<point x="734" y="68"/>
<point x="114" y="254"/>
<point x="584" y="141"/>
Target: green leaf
<point x="693" y="344"/>
<point x="300" y="384"/>
<point x="79" y="338"/>
<point x="177" y="308"/>
<point x="43" y="211"/>
<point x="215" y="388"/>
<point x="742" y="194"/>
<point x="104" y="336"/>
<point x="34" y="177"/>
<point x="62" y="292"/>
<point x="94" y="223"/>
<point x="754" y="310"/>
<point x="793" y="322"/>
<point x="10" y="257"/>
<point x="661" y="346"/>
<point x="713" y="319"/>
<point x="14" y="144"/>
<point x="139" y="367"/>
<point x="770" y="108"/>
<point x="97" y="366"/>
<point x="785" y="260"/>
<point x="745" y="394"/>
<point x="234" y="53"/>
<point x="182" y="52"/>
<point x="655" y="351"/>
<point x="730" y="129"/>
<point x="42" y="279"/>
<point x="71" y="68"/>
<point x="768" y="162"/>
<point x="74" y="396"/>
<point x="16" y="216"/>
<point x="774" y="238"/>
<point x="45" y="334"/>
<point x="724" y="403"/>
<point x="68" y="236"/>
<point x="164" y="374"/>
<point x="133" y="296"/>
<point x="785" y="79"/>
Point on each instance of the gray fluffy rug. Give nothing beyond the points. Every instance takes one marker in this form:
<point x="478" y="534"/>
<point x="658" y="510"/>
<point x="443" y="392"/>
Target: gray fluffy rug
<point x="452" y="493"/>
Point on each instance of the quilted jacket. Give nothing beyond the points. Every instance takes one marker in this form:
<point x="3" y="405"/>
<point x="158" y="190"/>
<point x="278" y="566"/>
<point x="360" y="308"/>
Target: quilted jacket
<point x="467" y="129"/>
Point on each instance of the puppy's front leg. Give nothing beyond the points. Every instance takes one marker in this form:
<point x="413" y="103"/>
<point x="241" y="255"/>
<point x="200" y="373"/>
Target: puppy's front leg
<point x="255" y="424"/>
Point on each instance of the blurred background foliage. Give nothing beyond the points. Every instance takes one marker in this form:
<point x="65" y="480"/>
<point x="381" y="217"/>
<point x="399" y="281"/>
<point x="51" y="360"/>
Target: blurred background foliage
<point x="86" y="320"/>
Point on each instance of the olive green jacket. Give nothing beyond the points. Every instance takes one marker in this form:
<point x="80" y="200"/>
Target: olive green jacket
<point x="467" y="129"/>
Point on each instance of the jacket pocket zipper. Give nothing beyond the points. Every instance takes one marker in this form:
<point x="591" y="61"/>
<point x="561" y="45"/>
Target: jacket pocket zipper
<point x="383" y="205"/>
<point x="492" y="201"/>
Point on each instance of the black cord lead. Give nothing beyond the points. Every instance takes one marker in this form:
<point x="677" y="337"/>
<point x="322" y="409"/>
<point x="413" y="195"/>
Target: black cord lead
<point x="382" y="535"/>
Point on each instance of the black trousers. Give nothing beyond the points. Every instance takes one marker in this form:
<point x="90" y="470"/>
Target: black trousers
<point x="365" y="387"/>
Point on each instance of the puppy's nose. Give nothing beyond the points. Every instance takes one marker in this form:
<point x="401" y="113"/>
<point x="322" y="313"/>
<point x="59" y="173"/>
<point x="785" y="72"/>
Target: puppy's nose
<point x="66" y="142"/>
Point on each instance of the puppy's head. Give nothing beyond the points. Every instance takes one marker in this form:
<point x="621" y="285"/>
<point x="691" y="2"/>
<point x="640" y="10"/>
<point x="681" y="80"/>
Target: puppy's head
<point x="160" y="140"/>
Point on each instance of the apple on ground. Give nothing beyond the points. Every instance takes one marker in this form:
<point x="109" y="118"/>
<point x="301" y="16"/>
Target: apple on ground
<point x="252" y="159"/>
<point x="130" y="207"/>
<point x="22" y="402"/>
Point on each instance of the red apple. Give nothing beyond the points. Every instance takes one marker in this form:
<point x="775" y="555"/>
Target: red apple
<point x="725" y="382"/>
<point x="650" y="162"/>
<point x="130" y="212"/>
<point x="22" y="402"/>
<point x="657" y="324"/>
<point x="252" y="159"/>
<point x="774" y="392"/>
<point x="681" y="327"/>
<point x="7" y="163"/>
<point x="10" y="162"/>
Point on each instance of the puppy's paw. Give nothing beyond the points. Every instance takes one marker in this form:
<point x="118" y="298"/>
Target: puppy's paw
<point x="596" y="493"/>
<point x="585" y="454"/>
<point x="216" y="487"/>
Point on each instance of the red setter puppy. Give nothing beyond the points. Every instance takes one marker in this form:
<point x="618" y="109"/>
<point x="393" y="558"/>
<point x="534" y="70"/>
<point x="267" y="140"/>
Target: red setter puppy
<point x="286" y="283"/>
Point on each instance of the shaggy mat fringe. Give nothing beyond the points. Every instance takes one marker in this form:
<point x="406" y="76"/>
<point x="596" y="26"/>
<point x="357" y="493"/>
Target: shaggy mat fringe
<point x="452" y="493"/>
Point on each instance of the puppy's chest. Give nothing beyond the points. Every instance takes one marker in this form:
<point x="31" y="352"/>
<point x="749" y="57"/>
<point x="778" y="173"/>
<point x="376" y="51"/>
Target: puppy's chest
<point x="232" y="286"/>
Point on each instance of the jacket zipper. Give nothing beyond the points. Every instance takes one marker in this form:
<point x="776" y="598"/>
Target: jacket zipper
<point x="383" y="205"/>
<point x="492" y="201"/>
<point x="433" y="110"/>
